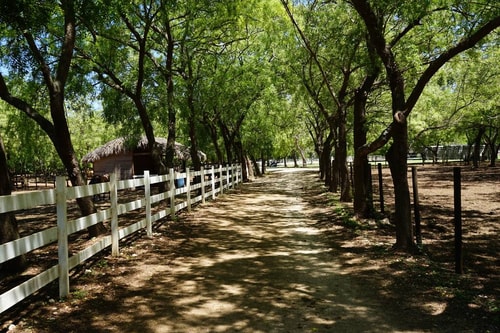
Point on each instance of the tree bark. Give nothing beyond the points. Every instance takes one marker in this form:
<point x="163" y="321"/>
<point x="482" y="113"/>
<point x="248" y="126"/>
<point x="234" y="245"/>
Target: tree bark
<point x="263" y="162"/>
<point x="193" y="149"/>
<point x="215" y="139"/>
<point x="243" y="159"/>
<point x="345" y="183"/>
<point x="325" y="159"/>
<point x="8" y="223"/>
<point x="172" y="114"/>
<point x="363" y="203"/>
<point x="398" y="164"/>
<point x="255" y="166"/>
<point x="226" y="136"/>
<point x="476" y="156"/>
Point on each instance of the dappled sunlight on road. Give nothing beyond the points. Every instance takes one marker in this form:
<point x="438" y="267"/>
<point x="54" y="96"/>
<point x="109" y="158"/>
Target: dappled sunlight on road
<point x="256" y="263"/>
<point x="252" y="261"/>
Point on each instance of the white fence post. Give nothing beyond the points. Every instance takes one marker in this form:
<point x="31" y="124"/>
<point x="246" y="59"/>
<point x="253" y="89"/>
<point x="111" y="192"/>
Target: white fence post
<point x="172" y="192"/>
<point x="62" y="236"/>
<point x="213" y="183"/>
<point x="147" y="197"/>
<point x="113" y="198"/>
<point x="202" y="178"/>
<point x="221" y="180"/>
<point x="237" y="174"/>
<point x="188" y="189"/>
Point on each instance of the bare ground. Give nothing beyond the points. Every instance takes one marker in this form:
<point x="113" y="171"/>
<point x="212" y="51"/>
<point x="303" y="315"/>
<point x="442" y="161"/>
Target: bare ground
<point x="281" y="255"/>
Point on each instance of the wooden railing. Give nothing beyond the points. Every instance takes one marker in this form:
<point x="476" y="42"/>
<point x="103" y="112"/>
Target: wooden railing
<point x="211" y="182"/>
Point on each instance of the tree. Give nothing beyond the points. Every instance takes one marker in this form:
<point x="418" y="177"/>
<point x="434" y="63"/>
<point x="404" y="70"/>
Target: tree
<point x="236" y="76"/>
<point x="470" y="29"/>
<point x="206" y="33"/>
<point x="8" y="223"/>
<point x="479" y="119"/>
<point x="330" y="76"/>
<point x="130" y="34"/>
<point x="41" y="39"/>
<point x="363" y="203"/>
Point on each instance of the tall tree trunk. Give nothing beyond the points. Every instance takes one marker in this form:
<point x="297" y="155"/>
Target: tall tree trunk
<point x="195" y="158"/>
<point x="397" y="157"/>
<point x="363" y="205"/>
<point x="8" y="223"/>
<point x="322" y="171"/>
<point x="299" y="149"/>
<point x="246" y="168"/>
<point x="263" y="161"/>
<point x="193" y="149"/>
<point x="64" y="147"/>
<point x="476" y="156"/>
<point x="172" y="114"/>
<point x="491" y="139"/>
<point x="341" y="156"/>
<point x="226" y="136"/>
<point x="494" y="153"/>
<point x="243" y="159"/>
<point x="335" y="180"/>
<point x="255" y="166"/>
<point x="326" y="160"/>
<point x="215" y="141"/>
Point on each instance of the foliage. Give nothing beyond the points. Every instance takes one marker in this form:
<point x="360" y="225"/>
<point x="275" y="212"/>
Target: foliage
<point x="237" y="78"/>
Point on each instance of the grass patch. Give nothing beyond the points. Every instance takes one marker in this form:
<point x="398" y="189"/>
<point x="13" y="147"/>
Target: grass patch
<point x="79" y="294"/>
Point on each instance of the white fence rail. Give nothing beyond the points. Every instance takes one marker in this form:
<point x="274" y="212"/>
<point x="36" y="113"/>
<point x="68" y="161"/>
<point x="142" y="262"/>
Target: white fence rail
<point x="213" y="181"/>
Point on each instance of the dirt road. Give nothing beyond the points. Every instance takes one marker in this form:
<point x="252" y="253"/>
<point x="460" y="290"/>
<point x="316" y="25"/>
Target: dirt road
<point x="258" y="264"/>
<point x="253" y="261"/>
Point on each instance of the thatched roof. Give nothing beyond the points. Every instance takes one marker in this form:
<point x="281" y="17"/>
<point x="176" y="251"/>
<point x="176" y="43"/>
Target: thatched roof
<point x="123" y="145"/>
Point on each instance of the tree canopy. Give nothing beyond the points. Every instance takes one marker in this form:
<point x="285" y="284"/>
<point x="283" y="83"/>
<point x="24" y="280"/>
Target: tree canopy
<point x="247" y="80"/>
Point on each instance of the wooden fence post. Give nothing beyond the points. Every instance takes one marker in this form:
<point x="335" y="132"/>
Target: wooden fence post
<point x="416" y="206"/>
<point x="188" y="189"/>
<point x="370" y="185"/>
<point x="228" y="175"/>
<point x="381" y="188"/>
<point x="113" y="198"/>
<point x="62" y="236"/>
<point x="202" y="178"/>
<point x="213" y="183"/>
<point x="147" y="197"/>
<point x="172" y="192"/>
<point x="457" y="184"/>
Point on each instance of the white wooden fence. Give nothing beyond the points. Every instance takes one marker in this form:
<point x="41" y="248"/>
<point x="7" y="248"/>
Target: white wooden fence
<point x="213" y="181"/>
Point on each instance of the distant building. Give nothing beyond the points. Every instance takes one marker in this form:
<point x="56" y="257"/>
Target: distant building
<point x="127" y="157"/>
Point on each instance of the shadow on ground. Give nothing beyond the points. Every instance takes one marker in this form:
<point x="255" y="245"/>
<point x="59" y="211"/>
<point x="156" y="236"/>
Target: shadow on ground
<point x="253" y="261"/>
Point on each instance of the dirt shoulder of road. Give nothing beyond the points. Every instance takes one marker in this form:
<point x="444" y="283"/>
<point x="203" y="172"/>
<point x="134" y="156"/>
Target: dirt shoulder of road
<point x="280" y="254"/>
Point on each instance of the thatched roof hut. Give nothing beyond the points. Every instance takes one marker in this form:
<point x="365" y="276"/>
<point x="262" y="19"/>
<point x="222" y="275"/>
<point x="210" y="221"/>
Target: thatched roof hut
<point x="128" y="157"/>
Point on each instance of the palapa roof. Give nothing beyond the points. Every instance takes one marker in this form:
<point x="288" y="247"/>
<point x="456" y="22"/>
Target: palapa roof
<point x="124" y="145"/>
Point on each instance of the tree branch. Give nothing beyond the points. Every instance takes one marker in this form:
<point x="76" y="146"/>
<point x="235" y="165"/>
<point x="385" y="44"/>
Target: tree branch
<point x="439" y="62"/>
<point x="26" y="108"/>
<point x="68" y="45"/>
<point x="311" y="52"/>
